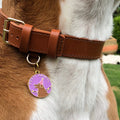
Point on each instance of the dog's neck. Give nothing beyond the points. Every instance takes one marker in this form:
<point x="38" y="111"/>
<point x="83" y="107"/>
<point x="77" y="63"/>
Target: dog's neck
<point x="43" y="15"/>
<point x="90" y="19"/>
<point x="87" y="18"/>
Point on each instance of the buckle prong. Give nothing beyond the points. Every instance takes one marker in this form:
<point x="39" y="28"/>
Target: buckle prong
<point x="5" y="30"/>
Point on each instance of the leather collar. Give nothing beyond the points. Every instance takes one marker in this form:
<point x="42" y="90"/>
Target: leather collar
<point x="29" y="39"/>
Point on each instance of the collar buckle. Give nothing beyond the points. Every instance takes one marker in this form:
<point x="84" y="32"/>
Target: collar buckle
<point x="5" y="30"/>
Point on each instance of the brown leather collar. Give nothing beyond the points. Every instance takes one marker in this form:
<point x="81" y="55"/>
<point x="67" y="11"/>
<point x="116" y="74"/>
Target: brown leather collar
<point x="54" y="44"/>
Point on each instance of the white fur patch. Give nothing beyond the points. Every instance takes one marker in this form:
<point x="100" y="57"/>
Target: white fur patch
<point x="0" y="3"/>
<point x="79" y="88"/>
<point x="87" y="18"/>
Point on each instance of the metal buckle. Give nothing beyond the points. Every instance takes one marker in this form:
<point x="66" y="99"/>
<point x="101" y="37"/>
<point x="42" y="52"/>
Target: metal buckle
<point x="5" y="26"/>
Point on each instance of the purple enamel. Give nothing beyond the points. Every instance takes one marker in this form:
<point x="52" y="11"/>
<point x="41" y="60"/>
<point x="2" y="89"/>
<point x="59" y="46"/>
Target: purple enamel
<point x="39" y="85"/>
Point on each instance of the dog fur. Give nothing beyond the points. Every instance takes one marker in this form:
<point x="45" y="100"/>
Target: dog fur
<point x="79" y="88"/>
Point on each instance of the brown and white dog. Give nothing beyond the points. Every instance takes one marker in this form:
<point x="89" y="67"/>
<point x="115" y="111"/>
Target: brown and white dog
<point x="80" y="91"/>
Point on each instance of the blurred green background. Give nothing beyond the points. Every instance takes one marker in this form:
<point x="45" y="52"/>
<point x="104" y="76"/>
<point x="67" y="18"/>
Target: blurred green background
<point x="113" y="73"/>
<point x="116" y="30"/>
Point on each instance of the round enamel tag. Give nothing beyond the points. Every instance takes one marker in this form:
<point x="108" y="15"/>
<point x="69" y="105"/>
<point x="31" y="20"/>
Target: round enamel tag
<point x="39" y="85"/>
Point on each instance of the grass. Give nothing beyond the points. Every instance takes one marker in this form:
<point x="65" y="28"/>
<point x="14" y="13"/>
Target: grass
<point x="113" y="73"/>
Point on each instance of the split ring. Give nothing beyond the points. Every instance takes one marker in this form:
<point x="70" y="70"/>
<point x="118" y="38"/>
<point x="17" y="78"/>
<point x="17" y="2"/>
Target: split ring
<point x="32" y="63"/>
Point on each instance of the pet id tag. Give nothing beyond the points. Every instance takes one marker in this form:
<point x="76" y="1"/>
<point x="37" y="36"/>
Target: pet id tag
<point x="39" y="84"/>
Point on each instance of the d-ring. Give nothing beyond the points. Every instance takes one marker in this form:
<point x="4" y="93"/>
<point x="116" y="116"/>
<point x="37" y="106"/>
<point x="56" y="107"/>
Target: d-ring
<point x="32" y="63"/>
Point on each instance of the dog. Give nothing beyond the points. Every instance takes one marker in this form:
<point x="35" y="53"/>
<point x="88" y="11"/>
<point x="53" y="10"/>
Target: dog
<point x="80" y="89"/>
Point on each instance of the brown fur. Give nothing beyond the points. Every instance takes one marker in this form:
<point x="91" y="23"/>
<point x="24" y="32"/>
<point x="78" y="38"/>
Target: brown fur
<point x="112" y="111"/>
<point x="16" y="102"/>
<point x="42" y="14"/>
